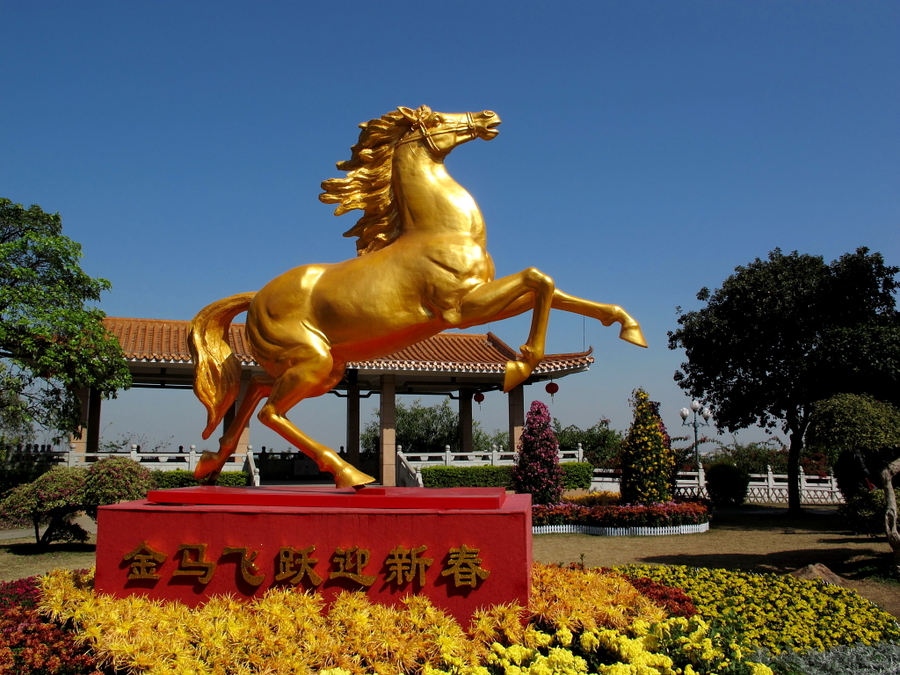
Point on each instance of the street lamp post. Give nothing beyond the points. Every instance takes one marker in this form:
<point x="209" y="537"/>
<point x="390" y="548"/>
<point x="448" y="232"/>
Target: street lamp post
<point x="696" y="423"/>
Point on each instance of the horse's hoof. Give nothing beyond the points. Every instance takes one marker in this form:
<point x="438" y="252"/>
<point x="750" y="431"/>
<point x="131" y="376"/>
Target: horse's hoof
<point x="633" y="334"/>
<point x="516" y="373"/>
<point x="350" y="476"/>
<point x="208" y="467"/>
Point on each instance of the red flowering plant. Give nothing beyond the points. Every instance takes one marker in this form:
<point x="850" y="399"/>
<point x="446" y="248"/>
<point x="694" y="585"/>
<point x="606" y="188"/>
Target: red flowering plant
<point x="537" y="469"/>
<point x="31" y="645"/>
<point x="653" y="515"/>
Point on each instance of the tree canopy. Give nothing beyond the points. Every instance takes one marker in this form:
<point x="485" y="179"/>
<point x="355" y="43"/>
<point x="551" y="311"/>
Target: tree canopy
<point x="785" y="332"/>
<point x="425" y="429"/>
<point x="869" y="430"/>
<point x="52" y="344"/>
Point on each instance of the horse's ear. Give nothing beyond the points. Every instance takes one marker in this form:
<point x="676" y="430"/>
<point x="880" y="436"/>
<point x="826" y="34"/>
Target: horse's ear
<point x="408" y="113"/>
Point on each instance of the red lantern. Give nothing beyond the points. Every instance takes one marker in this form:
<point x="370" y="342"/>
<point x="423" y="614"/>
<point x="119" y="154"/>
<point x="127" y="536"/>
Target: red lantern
<point x="552" y="388"/>
<point x="479" y="397"/>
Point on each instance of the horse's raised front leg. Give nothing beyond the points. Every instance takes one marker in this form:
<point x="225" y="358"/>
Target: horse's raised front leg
<point x="522" y="302"/>
<point x="509" y="296"/>
<point x="211" y="463"/>
<point x="311" y="374"/>
<point x="605" y="314"/>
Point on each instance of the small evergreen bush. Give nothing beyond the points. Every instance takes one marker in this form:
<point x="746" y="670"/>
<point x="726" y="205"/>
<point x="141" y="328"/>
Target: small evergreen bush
<point x="537" y="469"/>
<point x="577" y="475"/>
<point x="727" y="484"/>
<point x="863" y="513"/>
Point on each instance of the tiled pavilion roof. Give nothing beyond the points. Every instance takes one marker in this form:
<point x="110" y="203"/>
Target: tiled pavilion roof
<point x="165" y="342"/>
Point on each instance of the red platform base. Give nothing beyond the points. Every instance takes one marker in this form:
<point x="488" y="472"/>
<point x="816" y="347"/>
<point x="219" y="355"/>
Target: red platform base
<point x="464" y="548"/>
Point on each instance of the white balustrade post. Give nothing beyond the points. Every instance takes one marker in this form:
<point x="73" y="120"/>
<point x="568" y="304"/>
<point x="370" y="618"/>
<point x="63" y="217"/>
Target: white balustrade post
<point x="448" y="457"/>
<point x="495" y="457"/>
<point x="192" y="458"/>
<point x="770" y="484"/>
<point x="580" y="455"/>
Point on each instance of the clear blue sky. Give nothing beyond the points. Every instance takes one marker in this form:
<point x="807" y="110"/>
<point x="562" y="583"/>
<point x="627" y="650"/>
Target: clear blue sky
<point x="647" y="149"/>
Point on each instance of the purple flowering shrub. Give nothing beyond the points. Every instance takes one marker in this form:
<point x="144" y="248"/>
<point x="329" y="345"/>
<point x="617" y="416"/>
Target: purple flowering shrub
<point x="52" y="499"/>
<point x="56" y="497"/>
<point x="537" y="469"/>
<point x="115" y="479"/>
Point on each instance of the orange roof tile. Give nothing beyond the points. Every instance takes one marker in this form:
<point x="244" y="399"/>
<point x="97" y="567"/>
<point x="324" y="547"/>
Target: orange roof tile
<point x="159" y="341"/>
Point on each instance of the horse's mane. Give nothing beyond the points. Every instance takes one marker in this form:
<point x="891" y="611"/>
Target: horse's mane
<point x="368" y="183"/>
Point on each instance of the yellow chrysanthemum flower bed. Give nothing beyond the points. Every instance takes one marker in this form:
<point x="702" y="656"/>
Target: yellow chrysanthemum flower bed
<point x="777" y="613"/>
<point x="578" y="622"/>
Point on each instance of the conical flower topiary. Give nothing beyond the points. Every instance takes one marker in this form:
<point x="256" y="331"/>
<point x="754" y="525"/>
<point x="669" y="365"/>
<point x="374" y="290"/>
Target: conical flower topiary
<point x="537" y="469"/>
<point x="647" y="461"/>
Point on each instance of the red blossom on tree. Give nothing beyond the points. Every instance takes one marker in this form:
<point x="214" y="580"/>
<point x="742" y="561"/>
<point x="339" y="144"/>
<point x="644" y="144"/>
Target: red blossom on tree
<point x="537" y="470"/>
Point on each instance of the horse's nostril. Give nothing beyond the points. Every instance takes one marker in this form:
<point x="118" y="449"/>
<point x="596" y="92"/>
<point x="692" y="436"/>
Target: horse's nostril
<point x="490" y="113"/>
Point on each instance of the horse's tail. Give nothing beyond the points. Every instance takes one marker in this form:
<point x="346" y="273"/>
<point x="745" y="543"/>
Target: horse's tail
<point x="217" y="371"/>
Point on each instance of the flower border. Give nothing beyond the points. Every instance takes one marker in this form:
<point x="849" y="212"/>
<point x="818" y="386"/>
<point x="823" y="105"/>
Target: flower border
<point x="620" y="531"/>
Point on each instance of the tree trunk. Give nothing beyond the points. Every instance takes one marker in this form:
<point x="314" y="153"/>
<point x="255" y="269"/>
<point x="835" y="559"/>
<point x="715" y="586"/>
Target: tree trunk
<point x="890" y="516"/>
<point x="794" y="497"/>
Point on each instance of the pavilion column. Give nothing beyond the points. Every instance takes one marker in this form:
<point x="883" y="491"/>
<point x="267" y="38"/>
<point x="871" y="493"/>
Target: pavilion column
<point x="80" y="443"/>
<point x="465" y="420"/>
<point x="93" y="421"/>
<point x="387" y="454"/>
<point x="244" y="439"/>
<point x="516" y="399"/>
<point x="352" y="447"/>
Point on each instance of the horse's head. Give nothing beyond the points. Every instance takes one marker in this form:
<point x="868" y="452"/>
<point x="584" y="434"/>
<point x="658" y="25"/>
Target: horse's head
<point x="441" y="132"/>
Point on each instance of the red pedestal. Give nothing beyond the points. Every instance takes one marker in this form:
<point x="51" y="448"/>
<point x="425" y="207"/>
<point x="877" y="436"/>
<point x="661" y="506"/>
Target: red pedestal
<point x="464" y="548"/>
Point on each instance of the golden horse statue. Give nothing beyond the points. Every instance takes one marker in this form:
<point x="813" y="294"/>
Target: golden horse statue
<point x="422" y="267"/>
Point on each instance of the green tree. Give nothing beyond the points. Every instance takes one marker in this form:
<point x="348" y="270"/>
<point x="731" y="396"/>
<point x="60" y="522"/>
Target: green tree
<point x="425" y="429"/>
<point x="52" y="344"/>
<point x="647" y="461"/>
<point x="781" y="334"/>
<point x="600" y="443"/>
<point x="537" y="470"/>
<point x="868" y="429"/>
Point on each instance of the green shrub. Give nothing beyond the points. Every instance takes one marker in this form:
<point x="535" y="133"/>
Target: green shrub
<point x="167" y="480"/>
<point x="863" y="512"/>
<point x="112" y="480"/>
<point x="727" y="484"/>
<point x="467" y="476"/>
<point x="577" y="475"/>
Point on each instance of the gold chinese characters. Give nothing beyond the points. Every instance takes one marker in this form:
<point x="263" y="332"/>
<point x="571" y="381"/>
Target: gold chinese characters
<point x="402" y="565"/>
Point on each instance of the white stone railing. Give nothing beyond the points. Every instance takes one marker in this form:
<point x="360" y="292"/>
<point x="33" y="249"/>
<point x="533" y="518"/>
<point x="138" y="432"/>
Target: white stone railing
<point x="410" y="465"/>
<point x="155" y="461"/>
<point x="764" y="488"/>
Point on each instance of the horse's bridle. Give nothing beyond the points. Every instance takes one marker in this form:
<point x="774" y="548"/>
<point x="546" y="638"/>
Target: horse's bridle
<point x="428" y="136"/>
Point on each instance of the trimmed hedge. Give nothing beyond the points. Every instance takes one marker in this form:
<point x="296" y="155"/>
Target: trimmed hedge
<point x="576" y="475"/>
<point x="166" y="480"/>
<point x="467" y="476"/>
